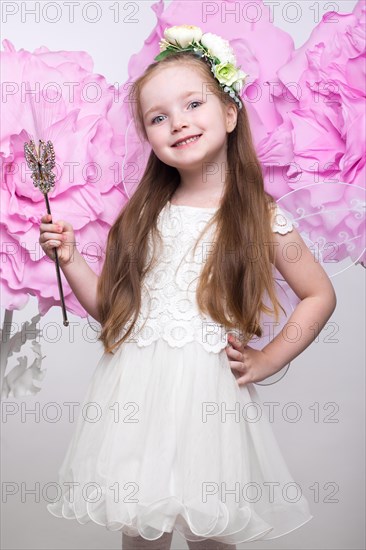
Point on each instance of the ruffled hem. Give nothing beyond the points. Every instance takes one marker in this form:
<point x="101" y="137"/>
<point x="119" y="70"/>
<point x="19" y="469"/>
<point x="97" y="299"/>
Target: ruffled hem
<point x="153" y="520"/>
<point x="153" y="462"/>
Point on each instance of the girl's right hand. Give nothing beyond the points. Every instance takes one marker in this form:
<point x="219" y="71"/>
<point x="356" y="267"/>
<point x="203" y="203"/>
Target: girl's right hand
<point x="58" y="235"/>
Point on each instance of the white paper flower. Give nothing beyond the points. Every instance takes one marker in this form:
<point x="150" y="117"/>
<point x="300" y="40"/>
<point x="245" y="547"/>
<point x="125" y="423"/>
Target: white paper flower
<point x="182" y="35"/>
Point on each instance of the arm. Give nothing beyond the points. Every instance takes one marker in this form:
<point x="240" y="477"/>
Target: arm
<point x="83" y="282"/>
<point x="312" y="285"/>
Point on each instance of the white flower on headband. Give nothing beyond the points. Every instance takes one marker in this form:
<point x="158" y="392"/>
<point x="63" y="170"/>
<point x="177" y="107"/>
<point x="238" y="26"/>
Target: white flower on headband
<point x="218" y="47"/>
<point x="227" y="74"/>
<point x="209" y="46"/>
<point x="182" y="35"/>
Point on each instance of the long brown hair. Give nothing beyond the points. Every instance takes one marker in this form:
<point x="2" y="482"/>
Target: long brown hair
<point x="233" y="279"/>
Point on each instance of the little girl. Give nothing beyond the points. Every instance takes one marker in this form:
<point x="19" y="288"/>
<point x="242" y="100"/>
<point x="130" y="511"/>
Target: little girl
<point x="176" y="439"/>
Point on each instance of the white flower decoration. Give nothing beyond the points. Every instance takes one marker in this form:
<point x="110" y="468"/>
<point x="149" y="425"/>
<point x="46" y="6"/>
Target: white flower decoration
<point x="183" y="35"/>
<point x="214" y="49"/>
<point x="218" y="47"/>
<point x="238" y="85"/>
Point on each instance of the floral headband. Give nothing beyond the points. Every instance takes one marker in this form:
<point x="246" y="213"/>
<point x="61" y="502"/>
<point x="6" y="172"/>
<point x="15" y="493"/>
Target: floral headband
<point x="213" y="48"/>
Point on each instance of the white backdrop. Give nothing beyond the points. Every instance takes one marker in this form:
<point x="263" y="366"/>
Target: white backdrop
<point x="324" y="448"/>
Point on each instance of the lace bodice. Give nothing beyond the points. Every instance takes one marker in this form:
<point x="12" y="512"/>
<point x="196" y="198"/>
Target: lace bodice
<point x="169" y="309"/>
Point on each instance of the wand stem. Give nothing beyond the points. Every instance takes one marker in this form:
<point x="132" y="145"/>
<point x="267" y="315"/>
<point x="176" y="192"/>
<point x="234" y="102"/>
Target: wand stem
<point x="58" y="271"/>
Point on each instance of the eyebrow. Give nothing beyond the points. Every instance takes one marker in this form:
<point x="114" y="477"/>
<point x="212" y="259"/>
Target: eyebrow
<point x="183" y="96"/>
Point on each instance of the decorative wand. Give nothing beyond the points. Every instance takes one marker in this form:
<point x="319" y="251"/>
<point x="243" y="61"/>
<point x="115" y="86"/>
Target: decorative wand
<point x="41" y="162"/>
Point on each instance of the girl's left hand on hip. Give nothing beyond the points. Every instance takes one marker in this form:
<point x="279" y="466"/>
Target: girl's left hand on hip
<point x="248" y="364"/>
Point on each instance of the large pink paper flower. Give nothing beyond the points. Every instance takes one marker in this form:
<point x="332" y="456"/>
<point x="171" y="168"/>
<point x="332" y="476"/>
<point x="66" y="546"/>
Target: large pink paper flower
<point x="327" y="177"/>
<point x="69" y="106"/>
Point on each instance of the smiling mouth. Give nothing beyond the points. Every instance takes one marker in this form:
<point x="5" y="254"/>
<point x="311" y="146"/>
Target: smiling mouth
<point x="188" y="142"/>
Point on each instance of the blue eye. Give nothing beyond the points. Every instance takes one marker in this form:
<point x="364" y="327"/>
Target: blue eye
<point x="159" y="116"/>
<point x="199" y="102"/>
<point x="155" y="119"/>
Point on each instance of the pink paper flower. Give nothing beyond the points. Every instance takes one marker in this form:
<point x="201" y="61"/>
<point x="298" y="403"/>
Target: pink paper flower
<point x="71" y="106"/>
<point x="327" y="178"/>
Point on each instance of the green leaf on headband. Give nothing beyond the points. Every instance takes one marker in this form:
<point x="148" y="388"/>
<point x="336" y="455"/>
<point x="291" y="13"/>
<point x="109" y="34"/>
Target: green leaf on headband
<point x="162" y="55"/>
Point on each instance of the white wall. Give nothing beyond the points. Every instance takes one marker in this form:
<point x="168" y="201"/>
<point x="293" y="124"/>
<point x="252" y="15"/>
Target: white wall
<point x="330" y="373"/>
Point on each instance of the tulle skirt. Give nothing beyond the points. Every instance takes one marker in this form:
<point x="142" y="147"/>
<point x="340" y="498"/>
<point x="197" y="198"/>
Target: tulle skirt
<point x="167" y="440"/>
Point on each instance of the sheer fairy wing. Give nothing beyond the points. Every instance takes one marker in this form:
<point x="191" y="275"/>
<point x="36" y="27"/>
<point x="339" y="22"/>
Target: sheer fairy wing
<point x="333" y="232"/>
<point x="331" y="221"/>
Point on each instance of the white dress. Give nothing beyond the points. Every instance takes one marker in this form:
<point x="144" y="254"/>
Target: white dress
<point x="172" y="442"/>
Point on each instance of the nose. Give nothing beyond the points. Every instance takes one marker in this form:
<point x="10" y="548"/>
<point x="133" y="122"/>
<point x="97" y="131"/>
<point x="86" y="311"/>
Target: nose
<point x="177" y="122"/>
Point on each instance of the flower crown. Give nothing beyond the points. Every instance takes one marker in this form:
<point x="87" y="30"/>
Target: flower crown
<point x="210" y="47"/>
